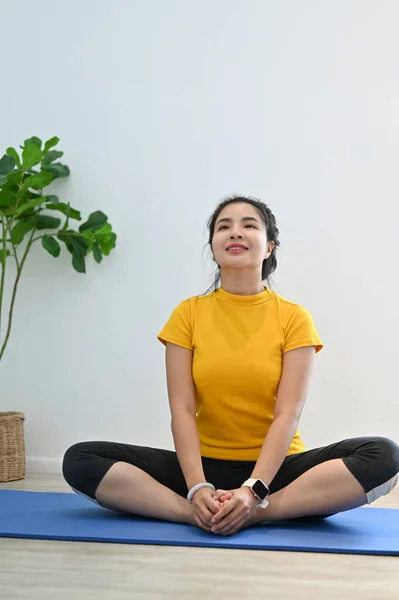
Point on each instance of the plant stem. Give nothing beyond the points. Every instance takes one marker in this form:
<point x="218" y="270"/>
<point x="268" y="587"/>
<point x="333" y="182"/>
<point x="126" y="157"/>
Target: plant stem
<point x="14" y="251"/>
<point x="3" y="264"/>
<point x="5" y="230"/>
<point x="14" y="293"/>
<point x="19" y="270"/>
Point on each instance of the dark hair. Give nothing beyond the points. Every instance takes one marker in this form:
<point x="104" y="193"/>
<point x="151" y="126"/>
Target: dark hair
<point x="269" y="264"/>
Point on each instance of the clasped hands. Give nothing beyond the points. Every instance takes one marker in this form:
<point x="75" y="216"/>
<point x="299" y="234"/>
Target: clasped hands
<point x="223" y="512"/>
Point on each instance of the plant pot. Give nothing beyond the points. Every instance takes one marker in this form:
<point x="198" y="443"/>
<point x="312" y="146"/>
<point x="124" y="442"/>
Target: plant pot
<point x="12" y="446"/>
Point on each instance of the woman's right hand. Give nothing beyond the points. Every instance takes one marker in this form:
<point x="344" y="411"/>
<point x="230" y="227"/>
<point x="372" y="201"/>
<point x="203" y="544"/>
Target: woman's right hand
<point x="204" y="507"/>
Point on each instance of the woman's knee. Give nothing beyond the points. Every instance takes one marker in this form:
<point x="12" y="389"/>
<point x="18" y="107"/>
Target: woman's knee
<point x="72" y="462"/>
<point x="386" y="453"/>
<point x="85" y="465"/>
<point x="378" y="471"/>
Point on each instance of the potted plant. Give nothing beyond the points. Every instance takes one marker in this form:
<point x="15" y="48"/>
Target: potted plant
<point x="29" y="216"/>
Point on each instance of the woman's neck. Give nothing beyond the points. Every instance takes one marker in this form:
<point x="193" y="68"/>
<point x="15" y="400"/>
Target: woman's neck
<point x="241" y="284"/>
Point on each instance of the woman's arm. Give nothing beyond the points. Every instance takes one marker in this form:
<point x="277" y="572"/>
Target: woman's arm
<point x="291" y="395"/>
<point x="181" y="393"/>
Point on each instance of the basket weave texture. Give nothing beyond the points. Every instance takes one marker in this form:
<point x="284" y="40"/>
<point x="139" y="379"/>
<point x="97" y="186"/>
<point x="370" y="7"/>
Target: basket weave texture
<point x="12" y="446"/>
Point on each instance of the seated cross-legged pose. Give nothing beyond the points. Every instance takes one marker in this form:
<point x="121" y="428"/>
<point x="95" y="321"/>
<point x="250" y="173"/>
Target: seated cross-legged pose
<point x="238" y="362"/>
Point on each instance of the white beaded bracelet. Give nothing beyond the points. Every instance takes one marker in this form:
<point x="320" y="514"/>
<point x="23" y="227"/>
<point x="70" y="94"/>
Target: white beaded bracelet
<point x="198" y="487"/>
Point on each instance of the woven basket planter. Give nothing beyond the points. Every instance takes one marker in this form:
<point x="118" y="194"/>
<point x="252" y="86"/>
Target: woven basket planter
<point x="12" y="446"/>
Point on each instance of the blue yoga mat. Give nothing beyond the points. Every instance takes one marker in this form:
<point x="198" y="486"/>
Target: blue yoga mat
<point x="52" y="516"/>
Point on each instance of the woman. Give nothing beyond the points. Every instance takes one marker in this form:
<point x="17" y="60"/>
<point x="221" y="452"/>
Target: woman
<point x="239" y="363"/>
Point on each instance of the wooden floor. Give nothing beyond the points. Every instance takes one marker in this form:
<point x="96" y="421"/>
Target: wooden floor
<point x="51" y="570"/>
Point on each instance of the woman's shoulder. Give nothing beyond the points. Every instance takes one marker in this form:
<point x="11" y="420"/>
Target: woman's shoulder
<point x="289" y="304"/>
<point x="192" y="304"/>
<point x="290" y="308"/>
<point x="198" y="299"/>
<point x="189" y="304"/>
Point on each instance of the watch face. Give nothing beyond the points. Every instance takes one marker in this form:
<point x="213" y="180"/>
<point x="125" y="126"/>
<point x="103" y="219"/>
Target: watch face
<point x="260" y="489"/>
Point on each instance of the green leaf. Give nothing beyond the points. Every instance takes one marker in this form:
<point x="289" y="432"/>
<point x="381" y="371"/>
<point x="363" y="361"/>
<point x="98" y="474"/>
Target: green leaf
<point x="97" y="253"/>
<point x="89" y="237"/>
<point x="51" y="156"/>
<point x="23" y="196"/>
<point x="7" y="199"/>
<point x="105" y="238"/>
<point x="72" y="213"/>
<point x="30" y="194"/>
<point x="30" y="204"/>
<point x="51" y="245"/>
<point x="77" y="245"/>
<point x="45" y="222"/>
<point x="3" y="255"/>
<point x="110" y="245"/>
<point x="30" y="212"/>
<point x="78" y="262"/>
<point x="73" y="241"/>
<point x="39" y="180"/>
<point x="95" y="221"/>
<point x="14" y="154"/>
<point x="35" y="141"/>
<point x="66" y="224"/>
<point x="31" y="156"/>
<point x="20" y="230"/>
<point x="64" y="237"/>
<point x="53" y="199"/>
<point x="3" y="179"/>
<point x="50" y="143"/>
<point x="7" y="164"/>
<point x="57" y="170"/>
<point x="13" y="180"/>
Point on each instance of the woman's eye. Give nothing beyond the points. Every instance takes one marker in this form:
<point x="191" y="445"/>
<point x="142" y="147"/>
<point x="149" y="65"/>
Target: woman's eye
<point x="225" y="226"/>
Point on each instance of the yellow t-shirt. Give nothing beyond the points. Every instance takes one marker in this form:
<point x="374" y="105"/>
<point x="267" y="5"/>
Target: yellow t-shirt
<point x="238" y="344"/>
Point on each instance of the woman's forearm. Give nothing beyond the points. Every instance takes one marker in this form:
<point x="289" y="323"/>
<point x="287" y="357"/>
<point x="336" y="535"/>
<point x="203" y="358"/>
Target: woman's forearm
<point x="274" y="449"/>
<point x="187" y="445"/>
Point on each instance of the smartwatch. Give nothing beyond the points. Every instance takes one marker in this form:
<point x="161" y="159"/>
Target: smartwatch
<point x="259" y="489"/>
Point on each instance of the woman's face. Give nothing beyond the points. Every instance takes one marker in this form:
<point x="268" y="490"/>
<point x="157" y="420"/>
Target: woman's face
<point x="239" y="238"/>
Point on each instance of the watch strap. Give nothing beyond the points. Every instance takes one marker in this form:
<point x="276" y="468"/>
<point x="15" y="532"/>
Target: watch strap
<point x="249" y="483"/>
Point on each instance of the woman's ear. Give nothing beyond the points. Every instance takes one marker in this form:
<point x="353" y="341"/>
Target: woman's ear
<point x="269" y="249"/>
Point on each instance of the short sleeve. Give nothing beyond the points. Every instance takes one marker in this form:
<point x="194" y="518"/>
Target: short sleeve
<point x="301" y="331"/>
<point x="178" y="329"/>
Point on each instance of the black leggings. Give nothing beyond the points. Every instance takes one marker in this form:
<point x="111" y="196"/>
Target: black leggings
<point x="374" y="462"/>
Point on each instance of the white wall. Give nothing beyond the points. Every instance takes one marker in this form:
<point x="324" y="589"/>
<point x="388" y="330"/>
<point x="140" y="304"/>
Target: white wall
<point x="162" y="109"/>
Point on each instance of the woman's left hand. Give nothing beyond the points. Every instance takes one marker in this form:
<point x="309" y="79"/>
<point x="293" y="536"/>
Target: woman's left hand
<point x="235" y="513"/>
